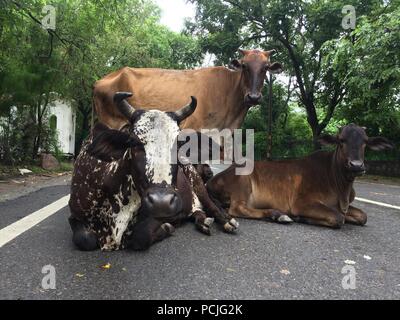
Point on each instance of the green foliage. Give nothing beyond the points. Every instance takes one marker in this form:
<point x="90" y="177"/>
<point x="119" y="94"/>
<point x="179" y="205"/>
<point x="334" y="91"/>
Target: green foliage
<point x="337" y="76"/>
<point x="91" y="39"/>
<point x="368" y="62"/>
<point x="341" y="76"/>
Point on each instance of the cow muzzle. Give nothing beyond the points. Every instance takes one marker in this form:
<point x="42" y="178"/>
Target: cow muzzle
<point x="357" y="167"/>
<point x="162" y="202"/>
<point x="253" y="98"/>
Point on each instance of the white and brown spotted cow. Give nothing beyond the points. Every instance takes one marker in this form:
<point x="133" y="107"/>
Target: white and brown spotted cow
<point x="127" y="193"/>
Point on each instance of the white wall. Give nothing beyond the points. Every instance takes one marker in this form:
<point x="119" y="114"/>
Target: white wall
<point x="66" y="119"/>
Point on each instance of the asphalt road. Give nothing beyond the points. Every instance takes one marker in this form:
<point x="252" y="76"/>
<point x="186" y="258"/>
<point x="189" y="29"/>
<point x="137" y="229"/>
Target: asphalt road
<point x="262" y="261"/>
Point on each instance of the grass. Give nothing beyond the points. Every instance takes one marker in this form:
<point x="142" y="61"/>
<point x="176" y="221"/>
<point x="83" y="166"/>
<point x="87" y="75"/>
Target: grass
<point x="12" y="171"/>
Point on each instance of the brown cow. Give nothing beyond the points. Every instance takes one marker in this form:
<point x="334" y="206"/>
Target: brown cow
<point x="317" y="189"/>
<point x="223" y="95"/>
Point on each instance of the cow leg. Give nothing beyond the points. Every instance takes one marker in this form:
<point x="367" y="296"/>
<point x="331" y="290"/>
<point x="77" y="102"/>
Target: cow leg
<point x="147" y="232"/>
<point x="318" y="214"/>
<point x="229" y="224"/>
<point x="356" y="216"/>
<point x="221" y="216"/>
<point x="239" y="209"/>
<point x="85" y="240"/>
<point x="202" y="222"/>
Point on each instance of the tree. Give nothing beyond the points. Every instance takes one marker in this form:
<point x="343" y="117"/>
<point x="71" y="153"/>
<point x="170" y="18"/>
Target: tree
<point x="298" y="29"/>
<point x="91" y="38"/>
<point x="110" y="35"/>
<point x="367" y="62"/>
<point x="28" y="79"/>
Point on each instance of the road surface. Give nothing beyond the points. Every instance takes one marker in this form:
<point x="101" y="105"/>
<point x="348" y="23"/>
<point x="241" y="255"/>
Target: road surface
<point x="262" y="261"/>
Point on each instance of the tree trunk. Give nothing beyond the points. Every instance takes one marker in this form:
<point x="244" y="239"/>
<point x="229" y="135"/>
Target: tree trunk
<point x="84" y="130"/>
<point x="269" y="138"/>
<point x="312" y="120"/>
<point x="316" y="133"/>
<point x="41" y="110"/>
<point x="6" y="143"/>
<point x="38" y="138"/>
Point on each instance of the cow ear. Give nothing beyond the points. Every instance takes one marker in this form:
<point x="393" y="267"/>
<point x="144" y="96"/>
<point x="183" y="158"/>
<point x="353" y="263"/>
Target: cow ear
<point x="275" y="67"/>
<point x="235" y="64"/>
<point x="109" y="144"/>
<point x="327" y="139"/>
<point x="379" y="143"/>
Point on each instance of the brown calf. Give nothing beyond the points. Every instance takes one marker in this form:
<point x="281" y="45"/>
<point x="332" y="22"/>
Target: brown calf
<point x="317" y="189"/>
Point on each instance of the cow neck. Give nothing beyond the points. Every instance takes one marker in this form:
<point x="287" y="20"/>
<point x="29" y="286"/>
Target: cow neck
<point x="238" y="108"/>
<point x="343" y="182"/>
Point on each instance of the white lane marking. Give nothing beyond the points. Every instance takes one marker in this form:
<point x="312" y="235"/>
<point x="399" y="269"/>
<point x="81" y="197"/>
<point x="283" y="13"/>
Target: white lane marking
<point x="382" y="204"/>
<point x="15" y="229"/>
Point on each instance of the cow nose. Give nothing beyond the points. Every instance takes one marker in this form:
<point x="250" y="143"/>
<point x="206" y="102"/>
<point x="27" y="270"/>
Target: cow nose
<point x="357" y="165"/>
<point x="161" y="203"/>
<point x="254" y="97"/>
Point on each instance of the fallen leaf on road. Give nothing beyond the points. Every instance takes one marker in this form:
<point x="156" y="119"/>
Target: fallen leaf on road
<point x="349" y="262"/>
<point x="285" y="272"/>
<point x="106" y="266"/>
<point x="79" y="275"/>
<point x="230" y="270"/>
<point x="124" y="269"/>
<point x="367" y="257"/>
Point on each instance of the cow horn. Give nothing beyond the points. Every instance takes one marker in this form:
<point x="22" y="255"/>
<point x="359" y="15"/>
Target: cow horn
<point x="123" y="106"/>
<point x="187" y="110"/>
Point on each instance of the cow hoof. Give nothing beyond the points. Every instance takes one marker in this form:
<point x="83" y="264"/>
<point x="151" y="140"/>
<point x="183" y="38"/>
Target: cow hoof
<point x="284" y="219"/>
<point x="231" y="226"/>
<point x="204" y="229"/>
<point x="208" y="221"/>
<point x="168" y="228"/>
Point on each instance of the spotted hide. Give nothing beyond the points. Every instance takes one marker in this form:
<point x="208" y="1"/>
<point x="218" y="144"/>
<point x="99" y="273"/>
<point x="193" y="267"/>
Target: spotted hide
<point x="127" y="193"/>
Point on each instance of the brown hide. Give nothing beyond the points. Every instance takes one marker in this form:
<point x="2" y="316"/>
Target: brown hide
<point x="220" y="92"/>
<point x="168" y="90"/>
<point x="307" y="190"/>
